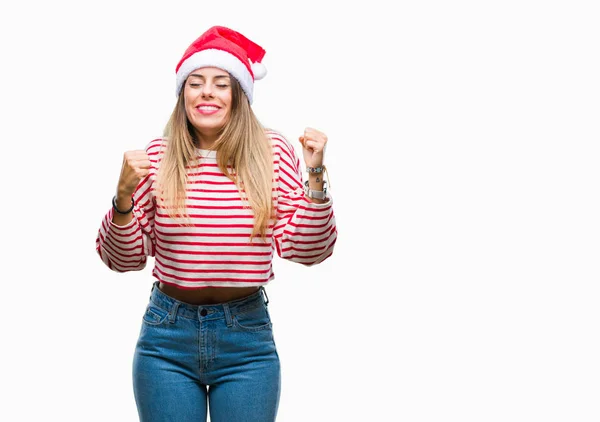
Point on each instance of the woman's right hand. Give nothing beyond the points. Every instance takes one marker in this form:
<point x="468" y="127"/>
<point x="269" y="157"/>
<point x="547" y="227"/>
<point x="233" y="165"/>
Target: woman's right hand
<point x="136" y="166"/>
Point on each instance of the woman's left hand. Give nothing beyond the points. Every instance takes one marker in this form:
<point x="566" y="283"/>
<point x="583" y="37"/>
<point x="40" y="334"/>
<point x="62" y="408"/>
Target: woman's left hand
<point x="313" y="147"/>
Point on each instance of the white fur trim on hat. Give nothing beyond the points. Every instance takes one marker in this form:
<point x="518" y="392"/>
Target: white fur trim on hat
<point x="222" y="60"/>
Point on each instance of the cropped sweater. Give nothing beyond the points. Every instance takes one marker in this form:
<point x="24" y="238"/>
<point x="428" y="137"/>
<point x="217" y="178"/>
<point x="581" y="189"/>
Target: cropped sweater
<point x="215" y="249"/>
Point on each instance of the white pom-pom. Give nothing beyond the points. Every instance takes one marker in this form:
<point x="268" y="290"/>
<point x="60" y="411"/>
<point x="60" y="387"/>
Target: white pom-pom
<point x="259" y="70"/>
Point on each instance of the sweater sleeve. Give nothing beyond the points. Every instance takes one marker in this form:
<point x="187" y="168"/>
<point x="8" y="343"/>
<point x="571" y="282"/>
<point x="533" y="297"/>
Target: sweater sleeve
<point x="304" y="232"/>
<point x="126" y="248"/>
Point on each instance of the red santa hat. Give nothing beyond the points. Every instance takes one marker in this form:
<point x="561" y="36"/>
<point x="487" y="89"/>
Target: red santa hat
<point x="228" y="50"/>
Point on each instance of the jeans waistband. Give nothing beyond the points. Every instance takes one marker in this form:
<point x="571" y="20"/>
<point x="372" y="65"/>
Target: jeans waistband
<point x="207" y="312"/>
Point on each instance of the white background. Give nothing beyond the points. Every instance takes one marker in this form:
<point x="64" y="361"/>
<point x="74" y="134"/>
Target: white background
<point x="463" y="159"/>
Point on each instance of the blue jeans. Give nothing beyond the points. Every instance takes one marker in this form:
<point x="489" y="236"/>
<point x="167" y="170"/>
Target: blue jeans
<point x="221" y="357"/>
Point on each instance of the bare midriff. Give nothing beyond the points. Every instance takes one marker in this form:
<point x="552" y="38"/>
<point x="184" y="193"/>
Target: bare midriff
<point x="207" y="295"/>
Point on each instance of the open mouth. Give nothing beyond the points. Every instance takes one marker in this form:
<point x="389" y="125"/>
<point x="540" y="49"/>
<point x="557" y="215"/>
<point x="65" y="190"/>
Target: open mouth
<point x="207" y="109"/>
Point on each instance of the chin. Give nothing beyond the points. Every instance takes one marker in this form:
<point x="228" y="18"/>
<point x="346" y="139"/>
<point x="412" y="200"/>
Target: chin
<point x="209" y="128"/>
<point x="207" y="125"/>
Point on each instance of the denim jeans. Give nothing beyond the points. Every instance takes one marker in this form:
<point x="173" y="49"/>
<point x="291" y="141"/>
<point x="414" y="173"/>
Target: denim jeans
<point x="218" y="357"/>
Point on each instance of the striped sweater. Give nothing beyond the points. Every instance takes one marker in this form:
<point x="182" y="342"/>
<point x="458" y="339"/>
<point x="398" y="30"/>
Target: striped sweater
<point x="215" y="250"/>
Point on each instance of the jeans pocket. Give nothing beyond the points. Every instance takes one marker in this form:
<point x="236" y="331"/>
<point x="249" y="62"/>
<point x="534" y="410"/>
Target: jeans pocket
<point x="252" y="320"/>
<point x="155" y="315"/>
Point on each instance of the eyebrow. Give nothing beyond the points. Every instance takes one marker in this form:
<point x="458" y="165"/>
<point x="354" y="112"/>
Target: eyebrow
<point x="216" y="77"/>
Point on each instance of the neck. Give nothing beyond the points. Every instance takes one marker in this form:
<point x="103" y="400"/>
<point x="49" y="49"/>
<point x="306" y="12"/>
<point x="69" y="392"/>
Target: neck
<point x="206" y="140"/>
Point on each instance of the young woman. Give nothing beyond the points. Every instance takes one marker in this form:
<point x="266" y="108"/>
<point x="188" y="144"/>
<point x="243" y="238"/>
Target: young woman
<point x="211" y="201"/>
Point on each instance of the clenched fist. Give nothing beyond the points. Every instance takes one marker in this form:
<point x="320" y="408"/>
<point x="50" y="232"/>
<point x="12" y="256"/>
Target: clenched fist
<point x="136" y="166"/>
<point x="313" y="146"/>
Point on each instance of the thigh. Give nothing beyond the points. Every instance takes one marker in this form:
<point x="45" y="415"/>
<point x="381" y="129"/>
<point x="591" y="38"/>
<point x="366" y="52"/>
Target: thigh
<point x="250" y="396"/>
<point x="165" y="383"/>
<point x="247" y="387"/>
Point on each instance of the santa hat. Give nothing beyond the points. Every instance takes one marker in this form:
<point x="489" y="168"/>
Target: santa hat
<point x="228" y="50"/>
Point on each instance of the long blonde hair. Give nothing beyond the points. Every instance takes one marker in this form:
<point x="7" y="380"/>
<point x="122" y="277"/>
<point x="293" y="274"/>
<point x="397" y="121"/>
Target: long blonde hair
<point x="242" y="144"/>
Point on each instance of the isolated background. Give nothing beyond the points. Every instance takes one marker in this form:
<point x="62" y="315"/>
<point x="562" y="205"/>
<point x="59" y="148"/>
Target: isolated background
<point x="463" y="159"/>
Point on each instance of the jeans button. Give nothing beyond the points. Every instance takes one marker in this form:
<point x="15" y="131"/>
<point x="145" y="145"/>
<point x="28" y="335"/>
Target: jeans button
<point x="203" y="312"/>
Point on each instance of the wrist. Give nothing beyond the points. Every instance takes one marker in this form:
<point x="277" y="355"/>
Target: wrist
<point x="316" y="177"/>
<point x="123" y="191"/>
<point x="315" y="182"/>
<point x="123" y="194"/>
<point x="315" y="187"/>
<point x="316" y="190"/>
<point x="122" y="205"/>
<point x="316" y="169"/>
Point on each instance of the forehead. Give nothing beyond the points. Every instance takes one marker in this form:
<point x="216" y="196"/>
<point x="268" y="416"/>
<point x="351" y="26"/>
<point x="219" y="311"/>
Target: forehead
<point x="209" y="72"/>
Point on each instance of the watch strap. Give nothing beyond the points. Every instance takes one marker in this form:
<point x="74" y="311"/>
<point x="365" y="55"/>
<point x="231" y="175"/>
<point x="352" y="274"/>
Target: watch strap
<point x="316" y="194"/>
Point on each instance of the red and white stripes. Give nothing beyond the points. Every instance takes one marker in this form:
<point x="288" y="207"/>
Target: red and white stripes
<point x="214" y="248"/>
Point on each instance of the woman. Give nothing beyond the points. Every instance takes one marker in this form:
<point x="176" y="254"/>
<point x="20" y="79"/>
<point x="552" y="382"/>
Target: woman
<point x="211" y="201"/>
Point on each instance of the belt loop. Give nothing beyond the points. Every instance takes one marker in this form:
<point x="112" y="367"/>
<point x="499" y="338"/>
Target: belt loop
<point x="266" y="298"/>
<point x="173" y="312"/>
<point x="228" y="318"/>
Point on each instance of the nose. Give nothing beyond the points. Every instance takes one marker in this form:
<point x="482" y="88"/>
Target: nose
<point x="207" y="90"/>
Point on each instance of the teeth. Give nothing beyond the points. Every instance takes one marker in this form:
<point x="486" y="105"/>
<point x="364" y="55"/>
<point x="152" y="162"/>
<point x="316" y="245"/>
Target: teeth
<point x="208" y="108"/>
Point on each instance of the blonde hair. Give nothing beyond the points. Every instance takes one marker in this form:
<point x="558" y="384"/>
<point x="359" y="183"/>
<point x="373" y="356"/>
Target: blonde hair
<point x="242" y="144"/>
